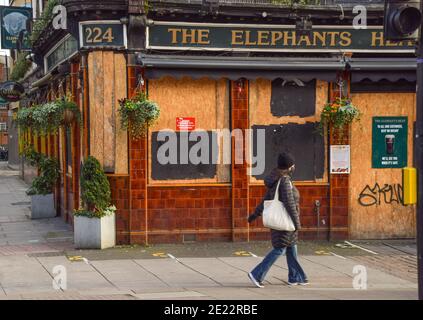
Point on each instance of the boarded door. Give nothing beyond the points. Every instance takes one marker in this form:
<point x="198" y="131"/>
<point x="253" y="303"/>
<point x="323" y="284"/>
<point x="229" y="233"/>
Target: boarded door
<point x="376" y="211"/>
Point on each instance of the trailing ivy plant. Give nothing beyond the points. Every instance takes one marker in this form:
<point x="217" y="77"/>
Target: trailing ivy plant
<point x="20" y="68"/>
<point x="137" y="114"/>
<point x="24" y="119"/>
<point x="49" y="117"/>
<point x="42" y="22"/>
<point x="339" y="114"/>
<point x="95" y="191"/>
<point x="49" y="173"/>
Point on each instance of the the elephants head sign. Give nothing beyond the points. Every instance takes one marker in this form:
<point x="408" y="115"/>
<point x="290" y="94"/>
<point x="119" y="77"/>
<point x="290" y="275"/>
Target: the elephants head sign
<point x="11" y="91"/>
<point x="13" y="23"/>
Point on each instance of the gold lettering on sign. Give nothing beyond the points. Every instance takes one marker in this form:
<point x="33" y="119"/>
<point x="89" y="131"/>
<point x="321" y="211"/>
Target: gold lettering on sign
<point x="346" y="39"/>
<point x="188" y="36"/>
<point x="276" y="36"/>
<point x="377" y="39"/>
<point x="237" y="37"/>
<point x="174" y="34"/>
<point x="319" y="36"/>
<point x="333" y="38"/>
<point x="248" y="42"/>
<point x="290" y="36"/>
<point x="306" y="39"/>
<point x="203" y="36"/>
<point x="263" y="38"/>
<point x="392" y="44"/>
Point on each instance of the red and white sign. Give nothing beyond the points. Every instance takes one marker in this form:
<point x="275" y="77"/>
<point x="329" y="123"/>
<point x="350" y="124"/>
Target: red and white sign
<point x="185" y="124"/>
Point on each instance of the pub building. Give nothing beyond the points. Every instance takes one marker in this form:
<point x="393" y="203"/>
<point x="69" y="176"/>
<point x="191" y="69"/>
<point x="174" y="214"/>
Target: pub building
<point x="243" y="67"/>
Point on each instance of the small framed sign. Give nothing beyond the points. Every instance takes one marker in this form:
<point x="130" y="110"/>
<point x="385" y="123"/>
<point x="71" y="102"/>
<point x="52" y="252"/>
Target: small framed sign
<point x="185" y="124"/>
<point x="102" y="34"/>
<point x="340" y="159"/>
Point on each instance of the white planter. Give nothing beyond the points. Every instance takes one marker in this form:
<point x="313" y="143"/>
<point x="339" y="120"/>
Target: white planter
<point x="94" y="233"/>
<point x="42" y="207"/>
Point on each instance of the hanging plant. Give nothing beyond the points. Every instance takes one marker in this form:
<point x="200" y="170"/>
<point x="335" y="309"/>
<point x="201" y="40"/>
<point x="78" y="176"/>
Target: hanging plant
<point x="95" y="191"/>
<point x="24" y="119"/>
<point x="49" y="117"/>
<point x="20" y="68"/>
<point x="137" y="114"/>
<point x="69" y="110"/>
<point x="339" y="114"/>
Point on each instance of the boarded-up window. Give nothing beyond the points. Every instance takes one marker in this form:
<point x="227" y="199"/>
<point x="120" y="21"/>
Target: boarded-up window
<point x="290" y="98"/>
<point x="289" y="114"/>
<point x="300" y="140"/>
<point x="205" y="103"/>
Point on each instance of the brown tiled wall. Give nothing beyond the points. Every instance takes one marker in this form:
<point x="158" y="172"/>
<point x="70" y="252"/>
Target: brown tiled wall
<point x="119" y="186"/>
<point x="309" y="194"/>
<point x="175" y="213"/>
<point x="239" y="171"/>
<point x="138" y="190"/>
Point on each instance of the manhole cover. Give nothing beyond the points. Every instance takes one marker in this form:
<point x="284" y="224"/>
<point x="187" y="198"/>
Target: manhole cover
<point x="24" y="203"/>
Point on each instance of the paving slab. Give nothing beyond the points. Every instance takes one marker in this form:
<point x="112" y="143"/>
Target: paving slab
<point x="176" y="274"/>
<point x="219" y="271"/>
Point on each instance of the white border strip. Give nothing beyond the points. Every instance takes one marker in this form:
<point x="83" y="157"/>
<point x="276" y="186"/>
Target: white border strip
<point x="64" y="39"/>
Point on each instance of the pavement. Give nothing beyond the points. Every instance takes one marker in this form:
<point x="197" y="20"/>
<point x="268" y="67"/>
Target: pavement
<point x="38" y="262"/>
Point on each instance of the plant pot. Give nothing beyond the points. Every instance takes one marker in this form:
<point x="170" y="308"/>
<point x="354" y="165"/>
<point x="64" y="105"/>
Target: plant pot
<point x="42" y="207"/>
<point x="68" y="117"/>
<point x="94" y="233"/>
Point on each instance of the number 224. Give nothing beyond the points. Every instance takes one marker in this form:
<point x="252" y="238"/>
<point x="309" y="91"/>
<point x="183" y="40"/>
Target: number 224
<point x="96" y="35"/>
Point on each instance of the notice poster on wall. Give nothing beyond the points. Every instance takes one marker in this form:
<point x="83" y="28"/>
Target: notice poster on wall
<point x="340" y="159"/>
<point x="389" y="142"/>
<point x="185" y="124"/>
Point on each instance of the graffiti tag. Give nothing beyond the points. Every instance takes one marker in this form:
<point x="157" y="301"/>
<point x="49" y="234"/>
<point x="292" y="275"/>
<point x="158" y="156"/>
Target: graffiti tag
<point x="388" y="194"/>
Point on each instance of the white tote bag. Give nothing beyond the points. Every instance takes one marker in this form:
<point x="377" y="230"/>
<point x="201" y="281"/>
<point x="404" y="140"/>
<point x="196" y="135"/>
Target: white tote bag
<point x="275" y="215"/>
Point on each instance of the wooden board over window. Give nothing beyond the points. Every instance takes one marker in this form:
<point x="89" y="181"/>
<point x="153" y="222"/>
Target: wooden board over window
<point x="289" y="114"/>
<point x="206" y="101"/>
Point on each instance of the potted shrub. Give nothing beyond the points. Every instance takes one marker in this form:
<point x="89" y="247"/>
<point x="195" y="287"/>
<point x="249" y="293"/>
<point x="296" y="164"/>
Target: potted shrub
<point x="137" y="114"/>
<point x="42" y="188"/>
<point x="339" y="114"/>
<point x="94" y="223"/>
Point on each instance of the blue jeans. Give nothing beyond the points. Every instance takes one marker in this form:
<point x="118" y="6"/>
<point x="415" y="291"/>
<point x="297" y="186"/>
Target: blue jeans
<point x="295" y="272"/>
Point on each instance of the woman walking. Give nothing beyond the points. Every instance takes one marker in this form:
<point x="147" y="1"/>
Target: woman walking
<point x="283" y="242"/>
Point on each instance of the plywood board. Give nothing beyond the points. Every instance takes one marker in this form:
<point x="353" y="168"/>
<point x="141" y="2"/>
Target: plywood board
<point x="121" y="145"/>
<point x="205" y="100"/>
<point x="261" y="115"/>
<point x="388" y="219"/>
<point x="96" y="85"/>
<point x="108" y="111"/>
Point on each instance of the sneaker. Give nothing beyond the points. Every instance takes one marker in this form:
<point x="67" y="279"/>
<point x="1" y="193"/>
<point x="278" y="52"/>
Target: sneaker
<point x="293" y="283"/>
<point x="253" y="280"/>
<point x="305" y="283"/>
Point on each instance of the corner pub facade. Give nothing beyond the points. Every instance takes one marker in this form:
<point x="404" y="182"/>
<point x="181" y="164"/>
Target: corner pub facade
<point x="228" y="65"/>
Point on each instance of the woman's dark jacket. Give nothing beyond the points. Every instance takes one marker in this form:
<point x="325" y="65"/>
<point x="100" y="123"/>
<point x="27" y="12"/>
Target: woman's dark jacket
<point x="290" y="197"/>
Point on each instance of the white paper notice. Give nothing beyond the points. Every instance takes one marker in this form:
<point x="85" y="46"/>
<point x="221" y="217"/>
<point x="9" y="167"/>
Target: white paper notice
<point x="340" y="161"/>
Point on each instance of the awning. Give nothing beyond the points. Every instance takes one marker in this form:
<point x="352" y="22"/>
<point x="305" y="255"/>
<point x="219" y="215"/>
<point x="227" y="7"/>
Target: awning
<point x="234" y="68"/>
<point x="391" y="69"/>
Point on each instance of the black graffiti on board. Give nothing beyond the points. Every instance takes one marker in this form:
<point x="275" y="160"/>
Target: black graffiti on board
<point x="376" y="196"/>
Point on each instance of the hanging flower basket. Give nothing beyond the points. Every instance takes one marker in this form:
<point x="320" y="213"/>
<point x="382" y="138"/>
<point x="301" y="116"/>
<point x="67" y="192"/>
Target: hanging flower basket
<point x="137" y="114"/>
<point x="69" y="110"/>
<point x="338" y="114"/>
<point x="49" y="117"/>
